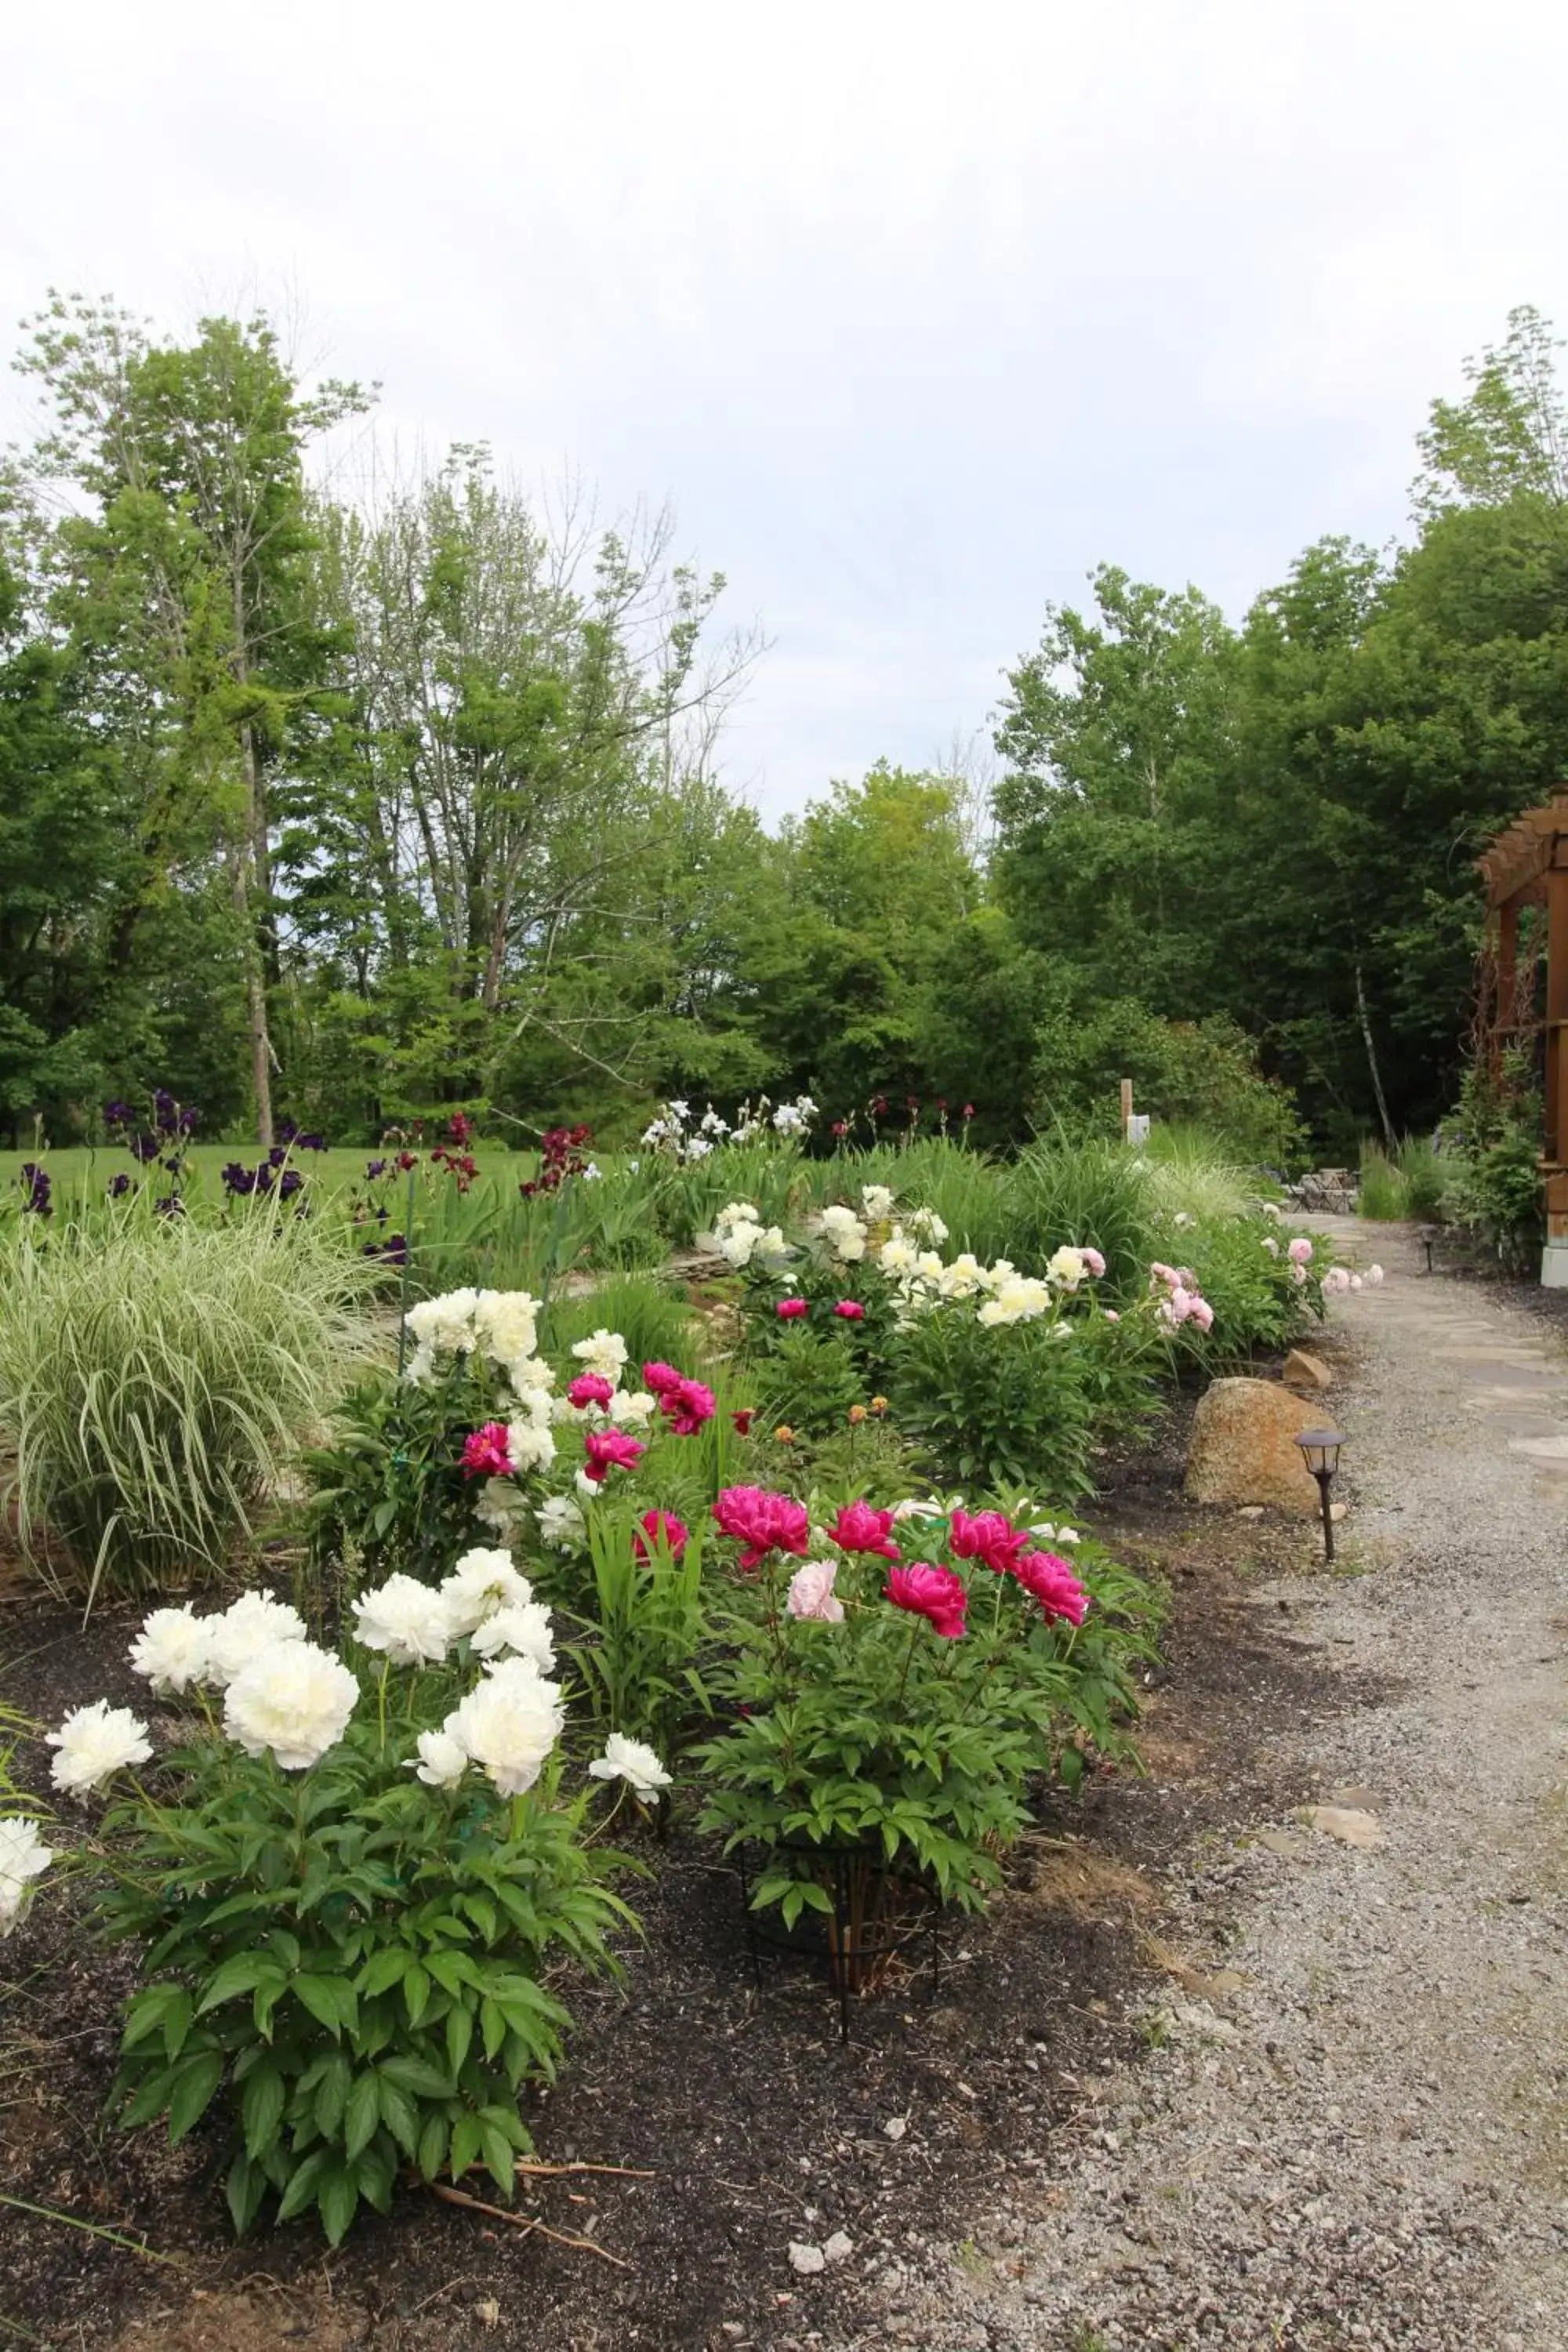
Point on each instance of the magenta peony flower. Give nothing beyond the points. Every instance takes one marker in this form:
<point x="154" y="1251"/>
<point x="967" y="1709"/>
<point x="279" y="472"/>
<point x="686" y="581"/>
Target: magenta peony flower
<point x="811" y="1593"/>
<point x="742" y="1418"/>
<point x="610" y="1449"/>
<point x="589" y="1388"/>
<point x="934" y="1593"/>
<point x="660" y="1379"/>
<point x="763" y="1522"/>
<point x="662" y="1527"/>
<point x="790" y="1311"/>
<point x="989" y="1535"/>
<point x="687" y="1406"/>
<point x="1051" y="1580"/>
<point x="485" y="1451"/>
<point x="849" y="1311"/>
<point x="859" y="1527"/>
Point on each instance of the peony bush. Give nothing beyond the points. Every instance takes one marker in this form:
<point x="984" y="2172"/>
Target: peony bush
<point x="347" y="1884"/>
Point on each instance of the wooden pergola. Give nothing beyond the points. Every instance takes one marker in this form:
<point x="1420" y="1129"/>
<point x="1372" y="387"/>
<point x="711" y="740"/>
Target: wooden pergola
<point x="1527" y="866"/>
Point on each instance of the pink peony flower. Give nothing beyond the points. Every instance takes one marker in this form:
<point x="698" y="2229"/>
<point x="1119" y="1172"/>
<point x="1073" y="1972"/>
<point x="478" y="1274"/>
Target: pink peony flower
<point x="610" y="1449"/>
<point x="1301" y="1250"/>
<point x="849" y="1311"/>
<point x="811" y="1593"/>
<point x="859" y="1527"/>
<point x="660" y="1379"/>
<point x="1051" y="1580"/>
<point x="485" y="1451"/>
<point x="1111" y="1316"/>
<point x="989" y="1535"/>
<point x="1093" y="1261"/>
<point x="790" y="1311"/>
<point x="1165" y="1273"/>
<point x="763" y="1522"/>
<point x="934" y="1593"/>
<point x="662" y="1527"/>
<point x="1200" y="1312"/>
<point x="589" y="1388"/>
<point x="687" y="1406"/>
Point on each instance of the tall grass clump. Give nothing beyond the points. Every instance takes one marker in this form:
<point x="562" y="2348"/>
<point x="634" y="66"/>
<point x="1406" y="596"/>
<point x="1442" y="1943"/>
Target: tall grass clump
<point x="1424" y="1179"/>
<point x="154" y="1379"/>
<point x="654" y="1323"/>
<point x="1188" y="1170"/>
<point x="1381" y="1195"/>
<point x="1089" y="1193"/>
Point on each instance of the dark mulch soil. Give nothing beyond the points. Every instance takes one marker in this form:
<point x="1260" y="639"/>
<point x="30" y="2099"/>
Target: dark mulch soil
<point x="754" y="2125"/>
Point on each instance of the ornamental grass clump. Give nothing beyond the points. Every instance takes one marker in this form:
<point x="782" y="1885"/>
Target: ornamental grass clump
<point x="347" y="1888"/>
<point x="154" y="1379"/>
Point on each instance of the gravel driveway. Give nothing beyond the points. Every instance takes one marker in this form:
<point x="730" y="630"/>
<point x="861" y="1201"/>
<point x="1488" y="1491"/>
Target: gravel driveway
<point x="1365" y="2141"/>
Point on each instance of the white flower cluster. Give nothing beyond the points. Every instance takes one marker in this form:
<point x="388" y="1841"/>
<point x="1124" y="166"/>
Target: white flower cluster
<point x="500" y="1324"/>
<point x="795" y="1118"/>
<point x="739" y="1236"/>
<point x="674" y="1131"/>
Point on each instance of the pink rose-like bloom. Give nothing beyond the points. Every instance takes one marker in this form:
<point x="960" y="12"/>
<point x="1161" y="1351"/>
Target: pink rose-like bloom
<point x="1200" y="1312"/>
<point x="1093" y="1261"/>
<point x="790" y="1311"/>
<point x="485" y="1451"/>
<point x="935" y="1594"/>
<point x="1300" y="1252"/>
<point x="589" y="1388"/>
<point x="763" y="1522"/>
<point x="1111" y="1316"/>
<point x="1051" y="1580"/>
<point x="662" y="1527"/>
<point x="811" y="1593"/>
<point x="661" y="1379"/>
<point x="989" y="1535"/>
<point x="687" y="1406"/>
<point x="610" y="1449"/>
<point x="849" y="1311"/>
<point x="1165" y="1273"/>
<point x="859" y="1527"/>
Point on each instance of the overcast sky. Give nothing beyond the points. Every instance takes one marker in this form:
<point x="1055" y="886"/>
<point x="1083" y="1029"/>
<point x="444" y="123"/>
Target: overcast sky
<point x="912" y="313"/>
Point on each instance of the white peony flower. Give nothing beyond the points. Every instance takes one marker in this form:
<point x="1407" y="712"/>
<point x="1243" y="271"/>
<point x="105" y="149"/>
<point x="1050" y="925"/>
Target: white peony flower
<point x="22" y="1859"/>
<point x="521" y="1627"/>
<point x="773" y="1249"/>
<point x="878" y="1200"/>
<point x="530" y="1378"/>
<point x="172" y="1650"/>
<point x="736" y="1212"/>
<point x="530" y="1447"/>
<point x="1374" y="1275"/>
<point x="291" y="1702"/>
<point x="928" y="1224"/>
<point x="405" y="1619"/>
<point x="605" y="1352"/>
<point x="1067" y="1267"/>
<point x="630" y="1407"/>
<point x="587" y="1487"/>
<point x="481" y="1583"/>
<point x="929" y="1266"/>
<point x="962" y="1278"/>
<point x="1068" y="1535"/>
<point x="562" y="1524"/>
<point x="93" y="1743"/>
<point x="737" y="1242"/>
<point x="500" y="1508"/>
<point x="248" y="1625"/>
<point x="898" y="1255"/>
<point x="509" y="1724"/>
<point x="506" y="1324"/>
<point x="1019" y="1299"/>
<point x="631" y="1760"/>
<point x="443" y="1761"/>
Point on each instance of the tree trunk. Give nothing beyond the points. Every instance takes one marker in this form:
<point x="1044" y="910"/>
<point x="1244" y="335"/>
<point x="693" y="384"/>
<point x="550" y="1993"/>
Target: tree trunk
<point x="255" y="968"/>
<point x="1362" y="1015"/>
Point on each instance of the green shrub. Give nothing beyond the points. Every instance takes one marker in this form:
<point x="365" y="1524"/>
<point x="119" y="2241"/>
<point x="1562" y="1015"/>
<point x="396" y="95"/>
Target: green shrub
<point x="154" y="1379"/>
<point x="1424" y="1179"/>
<point x="1089" y="1193"/>
<point x="1010" y="1406"/>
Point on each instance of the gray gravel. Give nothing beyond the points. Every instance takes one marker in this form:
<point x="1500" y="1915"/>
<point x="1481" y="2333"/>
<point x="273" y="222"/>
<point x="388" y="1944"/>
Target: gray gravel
<point x="1366" y="2143"/>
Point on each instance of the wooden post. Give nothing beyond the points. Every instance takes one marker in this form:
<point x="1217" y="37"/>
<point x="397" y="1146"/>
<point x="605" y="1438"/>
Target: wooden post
<point x="1127" y="1103"/>
<point x="1507" y="970"/>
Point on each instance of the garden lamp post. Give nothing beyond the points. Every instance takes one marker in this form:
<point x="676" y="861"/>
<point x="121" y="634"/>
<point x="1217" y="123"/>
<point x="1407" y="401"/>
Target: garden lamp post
<point x="1320" y="1451"/>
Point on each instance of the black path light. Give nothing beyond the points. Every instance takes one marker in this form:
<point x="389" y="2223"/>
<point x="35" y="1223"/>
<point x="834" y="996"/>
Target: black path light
<point x="1320" y="1451"/>
<point x="1427" y="1236"/>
